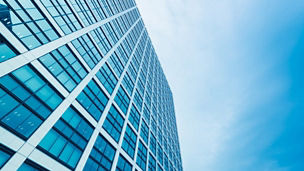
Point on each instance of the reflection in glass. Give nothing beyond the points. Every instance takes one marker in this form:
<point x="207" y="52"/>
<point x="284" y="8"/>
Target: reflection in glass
<point x="5" y="16"/>
<point x="6" y="52"/>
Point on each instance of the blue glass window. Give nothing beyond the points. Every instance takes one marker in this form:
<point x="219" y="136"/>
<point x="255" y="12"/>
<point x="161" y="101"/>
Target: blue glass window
<point x="101" y="156"/>
<point x="109" y="33"/>
<point x="116" y="64"/>
<point x="63" y="15"/>
<point x="93" y="99"/>
<point x="112" y="6"/>
<point x="154" y="110"/>
<point x="135" y="63"/>
<point x="128" y="84"/>
<point x="5" y="155"/>
<point x="26" y="100"/>
<point x="146" y="114"/>
<point x="123" y="164"/>
<point x="87" y="50"/>
<point x="68" y="138"/>
<point x="101" y="40"/>
<point x="122" y="100"/>
<point x="140" y="86"/>
<point x="122" y="24"/>
<point x="132" y="73"/>
<point x="159" y="153"/>
<point x="153" y="144"/>
<point x="83" y="12"/>
<point x="141" y="159"/>
<point x="152" y="163"/>
<point x="165" y="145"/>
<point x="117" y="28"/>
<point x="63" y="64"/>
<point x="113" y="123"/>
<point x="125" y="45"/>
<point x="97" y="9"/>
<point x="29" y="165"/>
<point x="131" y="38"/>
<point x="122" y="54"/>
<point x="159" y="168"/>
<point x="138" y="100"/>
<point x="7" y="51"/>
<point x="166" y="164"/>
<point x="171" y="166"/>
<point x="145" y="66"/>
<point x="129" y="142"/>
<point x="153" y="125"/>
<point x="107" y="78"/>
<point x="148" y="97"/>
<point x="27" y="23"/>
<point x="125" y="20"/>
<point x="159" y="135"/>
<point x="134" y="117"/>
<point x="144" y="131"/>
<point x="118" y="6"/>
<point x="106" y="8"/>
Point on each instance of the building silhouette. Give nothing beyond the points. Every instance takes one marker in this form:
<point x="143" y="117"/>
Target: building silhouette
<point x="82" y="88"/>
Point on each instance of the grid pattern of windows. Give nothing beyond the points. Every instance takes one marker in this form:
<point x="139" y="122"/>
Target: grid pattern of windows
<point x="153" y="144"/>
<point x="166" y="164"/>
<point x="152" y="163"/>
<point x="159" y="154"/>
<point x="122" y="100"/>
<point x="144" y="132"/>
<point x="62" y="14"/>
<point x="101" y="40"/>
<point x="123" y="164"/>
<point x="83" y="12"/>
<point x="129" y="141"/>
<point x="26" y="100"/>
<point x="96" y="8"/>
<point x="132" y="72"/>
<point x="141" y="159"/>
<point x="128" y="84"/>
<point x="134" y="117"/>
<point x="28" y="23"/>
<point x="153" y="125"/>
<point x="93" y="99"/>
<point x="116" y="64"/>
<point x="101" y="156"/>
<point x="68" y="138"/>
<point x="63" y="64"/>
<point x="87" y="112"/>
<point x="113" y="123"/>
<point x="107" y="78"/>
<point x="110" y="33"/>
<point x="87" y="50"/>
<point x="121" y="52"/>
<point x="146" y="113"/>
<point x="138" y="100"/>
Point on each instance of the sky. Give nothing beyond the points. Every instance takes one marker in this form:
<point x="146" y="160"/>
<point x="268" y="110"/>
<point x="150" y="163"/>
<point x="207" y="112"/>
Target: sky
<point x="236" y="70"/>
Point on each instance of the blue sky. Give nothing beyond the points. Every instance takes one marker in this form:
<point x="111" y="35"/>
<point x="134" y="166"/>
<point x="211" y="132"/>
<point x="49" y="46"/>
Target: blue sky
<point x="236" y="69"/>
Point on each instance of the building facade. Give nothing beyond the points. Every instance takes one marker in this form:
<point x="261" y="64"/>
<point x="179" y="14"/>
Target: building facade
<point x="81" y="88"/>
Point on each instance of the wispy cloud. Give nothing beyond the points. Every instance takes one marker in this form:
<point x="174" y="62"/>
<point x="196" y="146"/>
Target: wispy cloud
<point x="226" y="62"/>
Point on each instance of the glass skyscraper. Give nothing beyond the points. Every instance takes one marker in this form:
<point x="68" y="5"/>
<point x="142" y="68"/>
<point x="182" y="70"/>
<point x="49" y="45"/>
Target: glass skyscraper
<point x="81" y="88"/>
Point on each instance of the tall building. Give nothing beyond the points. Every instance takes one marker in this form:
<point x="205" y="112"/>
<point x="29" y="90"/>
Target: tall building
<point x="81" y="88"/>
